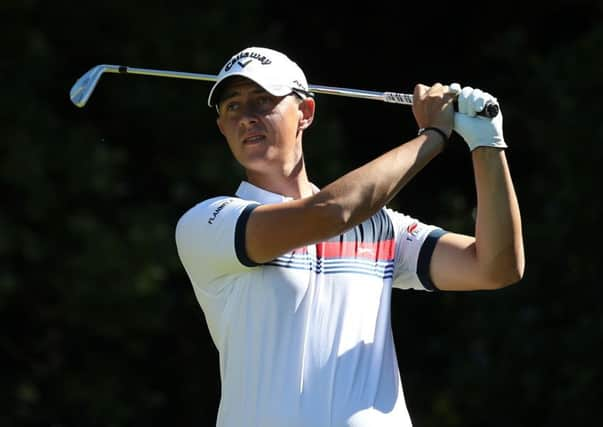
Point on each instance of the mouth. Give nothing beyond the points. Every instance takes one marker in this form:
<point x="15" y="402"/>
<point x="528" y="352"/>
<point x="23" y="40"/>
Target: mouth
<point x="253" y="139"/>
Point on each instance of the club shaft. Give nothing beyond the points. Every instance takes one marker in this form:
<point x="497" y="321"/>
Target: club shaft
<point x="83" y="88"/>
<point x="327" y="90"/>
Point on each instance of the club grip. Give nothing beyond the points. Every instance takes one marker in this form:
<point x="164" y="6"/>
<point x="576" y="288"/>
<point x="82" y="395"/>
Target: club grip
<point x="490" y="110"/>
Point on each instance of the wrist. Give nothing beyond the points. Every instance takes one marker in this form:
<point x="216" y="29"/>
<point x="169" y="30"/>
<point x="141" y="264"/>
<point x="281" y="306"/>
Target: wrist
<point x="435" y="130"/>
<point x="495" y="142"/>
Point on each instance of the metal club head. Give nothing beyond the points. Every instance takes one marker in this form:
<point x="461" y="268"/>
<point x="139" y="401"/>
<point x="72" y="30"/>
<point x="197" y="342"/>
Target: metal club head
<point x="85" y="85"/>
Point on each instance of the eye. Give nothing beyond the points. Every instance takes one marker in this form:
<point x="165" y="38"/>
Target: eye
<point x="231" y="106"/>
<point x="264" y="100"/>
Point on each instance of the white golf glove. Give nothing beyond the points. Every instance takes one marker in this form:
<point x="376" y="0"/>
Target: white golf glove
<point x="477" y="131"/>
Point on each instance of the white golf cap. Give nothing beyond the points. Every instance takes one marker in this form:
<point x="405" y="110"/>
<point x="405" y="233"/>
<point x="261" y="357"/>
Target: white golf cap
<point x="270" y="69"/>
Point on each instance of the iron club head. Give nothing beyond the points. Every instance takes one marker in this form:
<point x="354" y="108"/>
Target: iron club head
<point x="85" y="85"/>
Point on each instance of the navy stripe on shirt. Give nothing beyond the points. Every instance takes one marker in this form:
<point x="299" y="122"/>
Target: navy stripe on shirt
<point x="240" y="229"/>
<point x="425" y="259"/>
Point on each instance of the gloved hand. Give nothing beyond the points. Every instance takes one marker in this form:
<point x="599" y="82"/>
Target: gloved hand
<point x="477" y="131"/>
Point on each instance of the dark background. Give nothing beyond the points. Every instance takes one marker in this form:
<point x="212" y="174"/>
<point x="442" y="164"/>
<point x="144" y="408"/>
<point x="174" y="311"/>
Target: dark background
<point x="99" y="324"/>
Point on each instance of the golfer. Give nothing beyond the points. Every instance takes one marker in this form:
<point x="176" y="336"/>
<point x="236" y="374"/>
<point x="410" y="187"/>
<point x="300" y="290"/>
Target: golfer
<point x="295" y="281"/>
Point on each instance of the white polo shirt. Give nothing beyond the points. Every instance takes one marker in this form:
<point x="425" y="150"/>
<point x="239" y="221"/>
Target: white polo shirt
<point x="304" y="340"/>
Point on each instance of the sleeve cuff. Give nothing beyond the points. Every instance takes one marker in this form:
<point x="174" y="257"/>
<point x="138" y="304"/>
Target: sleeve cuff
<point x="240" y="247"/>
<point x="424" y="260"/>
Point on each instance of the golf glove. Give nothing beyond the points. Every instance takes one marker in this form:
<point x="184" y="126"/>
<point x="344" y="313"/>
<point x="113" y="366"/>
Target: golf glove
<point x="477" y="131"/>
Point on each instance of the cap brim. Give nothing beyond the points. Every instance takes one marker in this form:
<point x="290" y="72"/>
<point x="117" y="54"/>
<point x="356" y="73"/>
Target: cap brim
<point x="214" y="93"/>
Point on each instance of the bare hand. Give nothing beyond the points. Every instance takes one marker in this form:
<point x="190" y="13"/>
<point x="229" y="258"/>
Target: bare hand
<point x="433" y="107"/>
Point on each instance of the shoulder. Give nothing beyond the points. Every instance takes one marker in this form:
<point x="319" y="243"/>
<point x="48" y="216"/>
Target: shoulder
<point x="410" y="229"/>
<point x="398" y="219"/>
<point x="209" y="224"/>
<point x="208" y="210"/>
<point x="212" y="217"/>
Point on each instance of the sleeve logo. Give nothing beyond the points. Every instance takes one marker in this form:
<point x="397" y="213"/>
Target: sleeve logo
<point x="413" y="230"/>
<point x="215" y="213"/>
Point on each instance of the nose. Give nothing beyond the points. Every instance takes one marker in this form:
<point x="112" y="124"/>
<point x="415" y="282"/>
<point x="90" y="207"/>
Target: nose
<point x="249" y="113"/>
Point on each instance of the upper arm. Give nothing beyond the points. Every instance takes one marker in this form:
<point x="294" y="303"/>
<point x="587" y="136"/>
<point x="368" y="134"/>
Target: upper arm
<point x="455" y="265"/>
<point x="206" y="238"/>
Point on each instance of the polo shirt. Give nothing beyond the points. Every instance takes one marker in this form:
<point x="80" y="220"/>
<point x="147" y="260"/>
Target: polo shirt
<point x="305" y="339"/>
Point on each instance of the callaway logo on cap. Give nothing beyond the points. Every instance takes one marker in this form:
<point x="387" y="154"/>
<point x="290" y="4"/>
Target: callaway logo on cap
<point x="270" y="69"/>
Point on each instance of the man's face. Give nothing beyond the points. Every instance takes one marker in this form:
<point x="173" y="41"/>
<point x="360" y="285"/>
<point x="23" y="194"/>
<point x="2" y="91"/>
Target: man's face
<point x="261" y="129"/>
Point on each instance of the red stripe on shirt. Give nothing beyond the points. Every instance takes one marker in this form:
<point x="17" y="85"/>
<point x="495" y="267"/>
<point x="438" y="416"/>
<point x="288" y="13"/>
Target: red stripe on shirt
<point x="378" y="251"/>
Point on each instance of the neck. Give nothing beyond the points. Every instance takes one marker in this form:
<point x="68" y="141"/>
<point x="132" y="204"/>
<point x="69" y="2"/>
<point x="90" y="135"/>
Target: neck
<point x="292" y="183"/>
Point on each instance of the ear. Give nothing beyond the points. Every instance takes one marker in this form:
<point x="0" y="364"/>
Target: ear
<point x="306" y="108"/>
<point x="219" y="123"/>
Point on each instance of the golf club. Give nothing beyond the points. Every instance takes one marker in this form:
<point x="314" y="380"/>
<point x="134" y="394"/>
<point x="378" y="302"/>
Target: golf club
<point x="82" y="89"/>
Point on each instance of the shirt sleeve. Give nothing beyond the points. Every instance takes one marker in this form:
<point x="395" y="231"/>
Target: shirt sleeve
<point x="415" y="242"/>
<point x="210" y="239"/>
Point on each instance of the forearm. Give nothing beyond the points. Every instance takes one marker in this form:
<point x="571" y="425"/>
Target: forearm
<point x="498" y="231"/>
<point x="274" y="229"/>
<point x="361" y="193"/>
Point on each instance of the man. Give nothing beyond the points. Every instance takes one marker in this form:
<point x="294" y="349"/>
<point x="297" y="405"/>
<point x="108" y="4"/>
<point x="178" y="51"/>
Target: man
<point x="295" y="281"/>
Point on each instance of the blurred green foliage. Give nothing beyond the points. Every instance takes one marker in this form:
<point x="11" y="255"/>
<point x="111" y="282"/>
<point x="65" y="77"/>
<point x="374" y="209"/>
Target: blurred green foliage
<point x="100" y="326"/>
